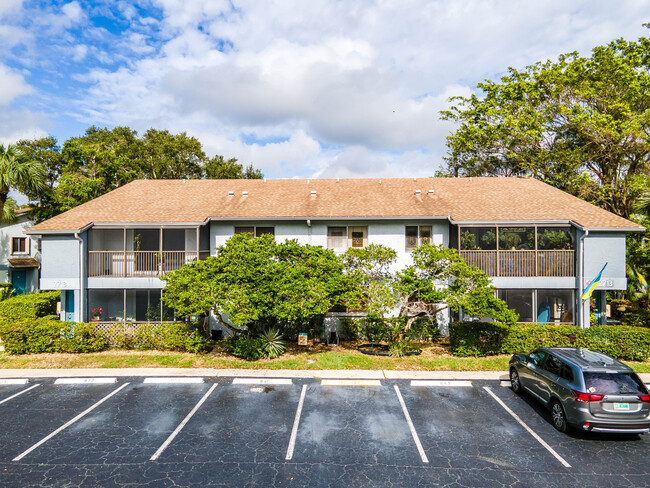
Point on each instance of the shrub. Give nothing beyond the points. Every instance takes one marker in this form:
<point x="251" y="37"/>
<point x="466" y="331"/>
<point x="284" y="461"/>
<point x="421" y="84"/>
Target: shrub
<point x="48" y="335"/>
<point x="171" y="336"/>
<point x="636" y="318"/>
<point x="476" y="338"/>
<point x="490" y="338"/>
<point x="246" y="347"/>
<point x="273" y="343"/>
<point x="36" y="305"/>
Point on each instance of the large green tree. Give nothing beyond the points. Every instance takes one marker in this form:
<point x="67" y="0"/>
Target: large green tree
<point x="438" y="279"/>
<point x="17" y="173"/>
<point x="103" y="159"/>
<point x="580" y="123"/>
<point x="256" y="278"/>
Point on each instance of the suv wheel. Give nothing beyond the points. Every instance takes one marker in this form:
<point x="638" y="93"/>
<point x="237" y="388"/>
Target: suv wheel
<point x="559" y="417"/>
<point x="515" y="384"/>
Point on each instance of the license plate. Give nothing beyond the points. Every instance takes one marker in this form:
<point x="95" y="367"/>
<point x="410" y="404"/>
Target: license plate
<point x="621" y="406"/>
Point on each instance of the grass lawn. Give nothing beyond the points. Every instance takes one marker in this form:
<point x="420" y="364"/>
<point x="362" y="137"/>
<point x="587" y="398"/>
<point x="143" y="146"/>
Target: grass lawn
<point x="434" y="357"/>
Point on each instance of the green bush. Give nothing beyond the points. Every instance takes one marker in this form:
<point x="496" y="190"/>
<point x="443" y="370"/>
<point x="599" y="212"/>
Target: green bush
<point x="491" y="338"/>
<point x="636" y="318"/>
<point x="246" y="347"/>
<point x="172" y="336"/>
<point x="36" y="305"/>
<point x="476" y="338"/>
<point x="49" y="335"/>
<point x="273" y="344"/>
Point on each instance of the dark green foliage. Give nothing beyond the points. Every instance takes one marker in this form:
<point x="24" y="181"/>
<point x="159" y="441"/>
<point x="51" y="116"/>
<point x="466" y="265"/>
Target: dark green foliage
<point x="491" y="338"/>
<point x="170" y="336"/>
<point x="476" y="338"/>
<point x="246" y="347"/>
<point x="636" y="318"/>
<point x="273" y="343"/>
<point x="32" y="306"/>
<point x="49" y="335"/>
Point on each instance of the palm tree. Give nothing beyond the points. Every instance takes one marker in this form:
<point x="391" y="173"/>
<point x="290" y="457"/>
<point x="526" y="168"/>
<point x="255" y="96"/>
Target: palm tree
<point x="18" y="174"/>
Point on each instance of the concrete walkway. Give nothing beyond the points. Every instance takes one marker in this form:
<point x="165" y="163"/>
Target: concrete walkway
<point x="264" y="373"/>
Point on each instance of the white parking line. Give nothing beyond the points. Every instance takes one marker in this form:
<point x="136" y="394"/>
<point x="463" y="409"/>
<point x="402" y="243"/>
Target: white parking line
<point x="411" y="426"/>
<point x="18" y="394"/>
<point x="296" y="421"/>
<point x="85" y="381"/>
<point x="440" y="383"/>
<point x="69" y="423"/>
<point x="14" y="381"/>
<point x="173" y="435"/>
<point x="262" y="381"/>
<point x="530" y="431"/>
<point x="160" y="380"/>
<point x="350" y="383"/>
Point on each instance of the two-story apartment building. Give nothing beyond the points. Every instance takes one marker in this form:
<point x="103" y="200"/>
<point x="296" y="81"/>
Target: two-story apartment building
<point x="539" y="244"/>
<point x="19" y="254"/>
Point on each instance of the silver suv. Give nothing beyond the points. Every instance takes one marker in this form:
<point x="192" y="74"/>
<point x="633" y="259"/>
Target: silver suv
<point x="584" y="389"/>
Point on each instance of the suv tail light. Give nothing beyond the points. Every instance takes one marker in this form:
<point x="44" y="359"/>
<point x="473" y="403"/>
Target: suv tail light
<point x="644" y="398"/>
<point x="587" y="397"/>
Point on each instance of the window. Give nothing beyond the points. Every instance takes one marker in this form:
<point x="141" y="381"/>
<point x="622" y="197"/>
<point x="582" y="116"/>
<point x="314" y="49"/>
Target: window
<point x="553" y="365"/>
<point x="541" y="306"/>
<point x="614" y="383"/>
<point x="416" y="235"/>
<point x="337" y="238"/>
<point x="566" y="372"/>
<point x="260" y="231"/>
<point x="19" y="245"/>
<point x="255" y="231"/>
<point x="537" y="357"/>
<point x="357" y="236"/>
<point x="521" y="301"/>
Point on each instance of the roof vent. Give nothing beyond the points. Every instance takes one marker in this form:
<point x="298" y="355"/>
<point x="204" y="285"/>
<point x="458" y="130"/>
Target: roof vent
<point x="245" y="193"/>
<point x="231" y="193"/>
<point x="417" y="192"/>
<point x="430" y="192"/>
<point x="313" y="193"/>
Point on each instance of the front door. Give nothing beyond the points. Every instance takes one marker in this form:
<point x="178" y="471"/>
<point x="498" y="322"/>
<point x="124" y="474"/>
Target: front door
<point x="19" y="280"/>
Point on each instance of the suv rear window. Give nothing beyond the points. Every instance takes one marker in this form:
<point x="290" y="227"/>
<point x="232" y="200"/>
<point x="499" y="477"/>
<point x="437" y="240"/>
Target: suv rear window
<point x="614" y="383"/>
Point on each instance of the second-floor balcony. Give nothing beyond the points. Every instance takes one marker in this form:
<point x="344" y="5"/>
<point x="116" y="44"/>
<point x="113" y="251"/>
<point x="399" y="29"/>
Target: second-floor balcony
<point x="557" y="263"/>
<point x="526" y="250"/>
<point x="127" y="264"/>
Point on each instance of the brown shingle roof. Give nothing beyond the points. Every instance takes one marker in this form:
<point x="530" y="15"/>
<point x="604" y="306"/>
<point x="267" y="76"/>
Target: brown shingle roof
<point x="462" y="199"/>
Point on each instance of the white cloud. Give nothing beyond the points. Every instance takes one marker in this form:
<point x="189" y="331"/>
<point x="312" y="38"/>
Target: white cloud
<point x="366" y="79"/>
<point x="13" y="85"/>
<point x="21" y="124"/>
<point x="8" y="7"/>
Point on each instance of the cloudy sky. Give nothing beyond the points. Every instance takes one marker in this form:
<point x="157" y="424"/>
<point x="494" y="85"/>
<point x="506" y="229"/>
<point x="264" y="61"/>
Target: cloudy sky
<point x="303" y="88"/>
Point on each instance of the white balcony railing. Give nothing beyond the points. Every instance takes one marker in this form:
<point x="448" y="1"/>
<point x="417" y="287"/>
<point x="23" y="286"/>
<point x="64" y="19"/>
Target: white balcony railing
<point x="115" y="264"/>
<point x="556" y="263"/>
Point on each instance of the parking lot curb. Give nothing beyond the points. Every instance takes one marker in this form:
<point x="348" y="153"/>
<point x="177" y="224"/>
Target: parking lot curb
<point x="264" y="373"/>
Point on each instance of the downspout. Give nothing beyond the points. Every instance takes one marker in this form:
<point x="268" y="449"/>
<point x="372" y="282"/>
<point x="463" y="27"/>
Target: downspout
<point x="581" y="276"/>
<point x="309" y="232"/>
<point x="81" y="276"/>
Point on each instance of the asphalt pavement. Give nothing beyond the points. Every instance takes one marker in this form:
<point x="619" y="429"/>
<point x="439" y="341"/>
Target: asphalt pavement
<point x="261" y="430"/>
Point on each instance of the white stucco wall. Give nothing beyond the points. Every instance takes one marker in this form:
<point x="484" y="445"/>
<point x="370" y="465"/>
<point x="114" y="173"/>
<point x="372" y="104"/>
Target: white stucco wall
<point x="388" y="233"/>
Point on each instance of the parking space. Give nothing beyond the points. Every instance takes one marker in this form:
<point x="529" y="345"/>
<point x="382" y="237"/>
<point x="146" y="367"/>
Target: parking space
<point x="300" y="432"/>
<point x="588" y="453"/>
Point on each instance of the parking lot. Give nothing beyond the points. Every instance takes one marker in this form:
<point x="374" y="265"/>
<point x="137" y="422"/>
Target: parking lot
<point x="296" y="432"/>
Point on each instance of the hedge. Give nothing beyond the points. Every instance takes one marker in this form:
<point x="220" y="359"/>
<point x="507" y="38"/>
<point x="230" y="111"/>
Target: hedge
<point x="491" y="338"/>
<point x="36" y="305"/>
<point x="168" y="336"/>
<point x="49" y="335"/>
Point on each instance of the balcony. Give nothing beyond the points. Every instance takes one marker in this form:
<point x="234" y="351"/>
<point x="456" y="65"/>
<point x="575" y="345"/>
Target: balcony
<point x="128" y="264"/>
<point x="555" y="263"/>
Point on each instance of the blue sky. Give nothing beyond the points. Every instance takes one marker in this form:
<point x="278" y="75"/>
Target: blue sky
<point x="299" y="88"/>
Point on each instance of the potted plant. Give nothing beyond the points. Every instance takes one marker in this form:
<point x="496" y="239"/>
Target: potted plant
<point x="97" y="314"/>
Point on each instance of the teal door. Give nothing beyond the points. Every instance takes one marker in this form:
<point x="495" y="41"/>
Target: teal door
<point x="69" y="305"/>
<point x="19" y="280"/>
